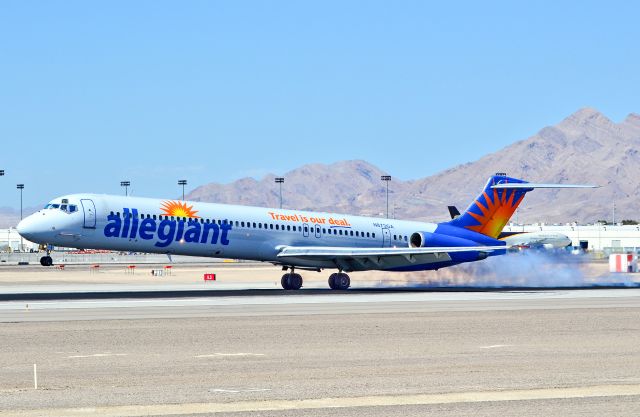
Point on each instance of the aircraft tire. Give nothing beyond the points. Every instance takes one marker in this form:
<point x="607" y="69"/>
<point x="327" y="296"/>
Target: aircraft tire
<point x="285" y="282"/>
<point x="291" y="281"/>
<point x="342" y="281"/>
<point x="295" y="281"/>
<point x="46" y="261"/>
<point x="332" y="281"/>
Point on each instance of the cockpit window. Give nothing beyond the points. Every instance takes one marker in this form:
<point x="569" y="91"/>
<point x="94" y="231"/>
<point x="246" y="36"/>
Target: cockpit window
<point x="67" y="208"/>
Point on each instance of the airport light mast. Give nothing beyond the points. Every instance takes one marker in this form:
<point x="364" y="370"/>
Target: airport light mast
<point x="20" y="187"/>
<point x="126" y="185"/>
<point x="183" y="183"/>
<point x="386" y="179"/>
<point x="280" y="180"/>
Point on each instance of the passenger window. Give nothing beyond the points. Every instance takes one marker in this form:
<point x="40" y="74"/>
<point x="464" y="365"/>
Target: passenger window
<point x="277" y="227"/>
<point x="294" y="228"/>
<point x="324" y="230"/>
<point x="351" y="233"/>
<point x="242" y="223"/>
<point x="254" y="225"/>
<point x="271" y="226"/>
<point x="306" y="229"/>
<point x="373" y="235"/>
<point x="288" y="228"/>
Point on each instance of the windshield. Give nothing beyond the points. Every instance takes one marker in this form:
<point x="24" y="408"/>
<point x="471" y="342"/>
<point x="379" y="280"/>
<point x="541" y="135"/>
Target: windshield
<point x="67" y="208"/>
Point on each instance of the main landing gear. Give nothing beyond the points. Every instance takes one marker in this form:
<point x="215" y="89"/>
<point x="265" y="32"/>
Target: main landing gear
<point x="339" y="281"/>
<point x="291" y="281"/>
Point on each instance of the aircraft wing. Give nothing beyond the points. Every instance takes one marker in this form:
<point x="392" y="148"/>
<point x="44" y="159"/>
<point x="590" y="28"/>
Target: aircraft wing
<point x="353" y="258"/>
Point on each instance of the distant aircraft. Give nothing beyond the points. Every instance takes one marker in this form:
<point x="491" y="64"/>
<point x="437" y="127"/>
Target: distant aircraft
<point x="293" y="239"/>
<point x="546" y="240"/>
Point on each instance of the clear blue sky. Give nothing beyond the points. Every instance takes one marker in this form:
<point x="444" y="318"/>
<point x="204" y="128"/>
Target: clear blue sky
<point x="92" y="93"/>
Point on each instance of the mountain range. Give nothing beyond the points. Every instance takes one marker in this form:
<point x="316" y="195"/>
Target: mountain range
<point x="584" y="148"/>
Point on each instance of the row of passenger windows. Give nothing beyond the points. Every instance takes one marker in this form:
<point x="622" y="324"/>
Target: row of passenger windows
<point x="255" y="225"/>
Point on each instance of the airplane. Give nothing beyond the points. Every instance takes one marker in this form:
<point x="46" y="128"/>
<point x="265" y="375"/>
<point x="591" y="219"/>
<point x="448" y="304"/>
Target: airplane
<point x="292" y="239"/>
<point x="546" y="240"/>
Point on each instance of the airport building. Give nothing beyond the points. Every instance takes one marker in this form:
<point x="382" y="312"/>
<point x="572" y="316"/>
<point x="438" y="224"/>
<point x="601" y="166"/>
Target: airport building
<point x="10" y="241"/>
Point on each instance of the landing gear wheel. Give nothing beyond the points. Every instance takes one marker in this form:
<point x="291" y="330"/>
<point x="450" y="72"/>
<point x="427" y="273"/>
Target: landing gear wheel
<point x="291" y="281"/>
<point x="46" y="261"/>
<point x="339" y="281"/>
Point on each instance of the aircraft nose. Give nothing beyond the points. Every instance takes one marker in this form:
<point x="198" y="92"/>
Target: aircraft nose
<point x="29" y="228"/>
<point x="25" y="227"/>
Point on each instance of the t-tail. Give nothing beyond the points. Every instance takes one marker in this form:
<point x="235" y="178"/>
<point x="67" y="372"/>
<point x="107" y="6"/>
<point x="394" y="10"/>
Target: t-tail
<point x="492" y="209"/>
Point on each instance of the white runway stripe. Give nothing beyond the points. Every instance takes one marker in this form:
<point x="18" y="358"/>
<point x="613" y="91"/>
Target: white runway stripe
<point x="340" y="402"/>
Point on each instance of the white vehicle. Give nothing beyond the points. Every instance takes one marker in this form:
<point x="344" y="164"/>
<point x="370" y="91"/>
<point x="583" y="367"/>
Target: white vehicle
<point x="294" y="239"/>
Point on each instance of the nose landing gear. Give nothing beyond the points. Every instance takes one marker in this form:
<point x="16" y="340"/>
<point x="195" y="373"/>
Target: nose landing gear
<point x="46" y="261"/>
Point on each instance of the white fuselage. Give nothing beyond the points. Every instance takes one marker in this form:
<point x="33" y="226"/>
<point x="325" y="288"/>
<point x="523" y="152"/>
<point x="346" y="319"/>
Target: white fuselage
<point x="205" y="229"/>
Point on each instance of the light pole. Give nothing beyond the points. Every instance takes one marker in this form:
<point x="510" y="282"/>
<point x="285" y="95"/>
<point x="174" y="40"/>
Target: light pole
<point x="183" y="183"/>
<point x="386" y="178"/>
<point x="126" y="185"/>
<point x="280" y="180"/>
<point x="21" y="187"/>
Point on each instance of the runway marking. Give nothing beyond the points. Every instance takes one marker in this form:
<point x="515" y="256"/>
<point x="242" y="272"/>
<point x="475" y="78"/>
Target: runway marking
<point x="339" y="402"/>
<point x="237" y="391"/>
<point x="494" y="346"/>
<point x="215" y="355"/>
<point x="96" y="355"/>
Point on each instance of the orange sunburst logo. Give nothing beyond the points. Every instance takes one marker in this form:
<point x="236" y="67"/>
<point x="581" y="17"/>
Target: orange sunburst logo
<point x="178" y="209"/>
<point x="495" y="212"/>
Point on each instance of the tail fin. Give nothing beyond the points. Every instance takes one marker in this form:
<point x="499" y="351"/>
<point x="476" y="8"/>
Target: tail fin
<point x="491" y="210"/>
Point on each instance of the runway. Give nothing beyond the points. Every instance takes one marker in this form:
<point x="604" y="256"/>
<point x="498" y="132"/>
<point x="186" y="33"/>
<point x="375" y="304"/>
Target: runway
<point x="174" y="304"/>
<point x="556" y="352"/>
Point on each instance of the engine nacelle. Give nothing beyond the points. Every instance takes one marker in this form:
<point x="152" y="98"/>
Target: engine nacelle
<point x="428" y="239"/>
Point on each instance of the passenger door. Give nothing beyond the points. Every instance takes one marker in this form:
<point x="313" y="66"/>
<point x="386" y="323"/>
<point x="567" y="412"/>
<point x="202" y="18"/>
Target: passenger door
<point x="89" y="210"/>
<point x="386" y="237"/>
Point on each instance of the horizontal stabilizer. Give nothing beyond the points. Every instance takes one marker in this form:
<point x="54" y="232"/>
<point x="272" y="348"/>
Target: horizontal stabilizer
<point x="529" y="185"/>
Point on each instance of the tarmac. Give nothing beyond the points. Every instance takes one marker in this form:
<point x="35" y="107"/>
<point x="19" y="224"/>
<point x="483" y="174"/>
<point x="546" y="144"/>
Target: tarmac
<point x="241" y="346"/>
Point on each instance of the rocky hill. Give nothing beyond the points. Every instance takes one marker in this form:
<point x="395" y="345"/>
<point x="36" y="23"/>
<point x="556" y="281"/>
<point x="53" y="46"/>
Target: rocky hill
<point x="586" y="147"/>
